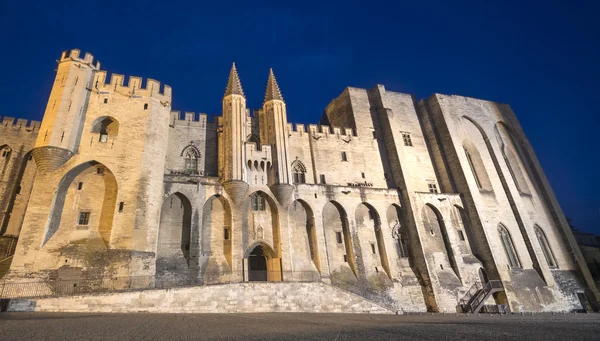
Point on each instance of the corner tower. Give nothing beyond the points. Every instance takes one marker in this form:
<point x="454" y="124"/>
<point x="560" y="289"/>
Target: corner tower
<point x="64" y="117"/>
<point x="232" y="154"/>
<point x="273" y="128"/>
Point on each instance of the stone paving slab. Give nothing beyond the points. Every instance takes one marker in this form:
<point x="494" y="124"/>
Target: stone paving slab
<point x="295" y="326"/>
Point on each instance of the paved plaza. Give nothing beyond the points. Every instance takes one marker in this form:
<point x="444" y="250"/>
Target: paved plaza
<point x="142" y="326"/>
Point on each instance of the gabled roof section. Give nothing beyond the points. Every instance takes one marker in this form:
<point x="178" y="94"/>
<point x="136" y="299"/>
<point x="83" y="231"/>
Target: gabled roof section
<point x="272" y="91"/>
<point x="234" y="86"/>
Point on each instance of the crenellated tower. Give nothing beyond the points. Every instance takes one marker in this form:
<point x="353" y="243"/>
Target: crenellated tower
<point x="232" y="154"/>
<point x="273" y="131"/>
<point x="64" y="117"/>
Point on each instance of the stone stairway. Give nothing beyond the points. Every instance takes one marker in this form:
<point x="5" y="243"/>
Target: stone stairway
<point x="247" y="297"/>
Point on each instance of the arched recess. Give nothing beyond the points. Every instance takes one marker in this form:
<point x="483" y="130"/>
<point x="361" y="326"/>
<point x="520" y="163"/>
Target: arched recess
<point x="262" y="263"/>
<point x="368" y="225"/>
<point x="174" y="238"/>
<point x="340" y="252"/>
<point x="302" y="225"/>
<point x="435" y="226"/>
<point x="23" y="183"/>
<point x="106" y="127"/>
<point x="217" y="235"/>
<point x="397" y="224"/>
<point x="84" y="202"/>
<point x="546" y="249"/>
<point x="191" y="158"/>
<point x="509" y="196"/>
<point x="261" y="224"/>
<point x="511" y="155"/>
<point x="477" y="166"/>
<point x="466" y="222"/>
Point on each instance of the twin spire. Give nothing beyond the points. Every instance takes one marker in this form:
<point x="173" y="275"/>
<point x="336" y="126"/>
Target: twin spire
<point x="234" y="86"/>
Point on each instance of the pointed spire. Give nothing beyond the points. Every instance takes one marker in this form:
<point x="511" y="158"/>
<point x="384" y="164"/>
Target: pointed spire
<point x="272" y="88"/>
<point x="234" y="86"/>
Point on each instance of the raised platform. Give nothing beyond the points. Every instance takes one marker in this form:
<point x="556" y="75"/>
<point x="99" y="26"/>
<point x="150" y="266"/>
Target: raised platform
<point x="313" y="297"/>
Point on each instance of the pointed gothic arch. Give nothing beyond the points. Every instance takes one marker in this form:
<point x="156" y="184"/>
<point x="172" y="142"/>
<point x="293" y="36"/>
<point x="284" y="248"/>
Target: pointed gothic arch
<point x="545" y="245"/>
<point x="509" y="247"/>
<point x="191" y="156"/>
<point x="298" y="172"/>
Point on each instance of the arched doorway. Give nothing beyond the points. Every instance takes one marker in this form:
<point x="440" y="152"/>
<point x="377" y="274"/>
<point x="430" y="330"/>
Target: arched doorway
<point x="262" y="265"/>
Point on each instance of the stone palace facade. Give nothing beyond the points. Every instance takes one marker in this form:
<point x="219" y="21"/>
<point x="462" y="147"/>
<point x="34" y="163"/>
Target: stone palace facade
<point x="412" y="203"/>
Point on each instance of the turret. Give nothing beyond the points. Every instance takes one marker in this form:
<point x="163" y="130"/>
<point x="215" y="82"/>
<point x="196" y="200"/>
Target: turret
<point x="61" y="127"/>
<point x="232" y="157"/>
<point x="273" y="127"/>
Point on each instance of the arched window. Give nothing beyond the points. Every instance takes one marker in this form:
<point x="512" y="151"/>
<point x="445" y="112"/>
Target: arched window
<point x="191" y="155"/>
<point x="541" y="236"/>
<point x="509" y="248"/>
<point x="298" y="172"/>
<point x="257" y="202"/>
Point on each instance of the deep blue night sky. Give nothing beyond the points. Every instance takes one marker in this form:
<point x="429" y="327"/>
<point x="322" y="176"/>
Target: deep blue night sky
<point x="540" y="57"/>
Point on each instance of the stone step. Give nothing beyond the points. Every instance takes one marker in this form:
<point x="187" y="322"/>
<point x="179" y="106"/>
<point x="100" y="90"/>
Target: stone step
<point x="313" y="297"/>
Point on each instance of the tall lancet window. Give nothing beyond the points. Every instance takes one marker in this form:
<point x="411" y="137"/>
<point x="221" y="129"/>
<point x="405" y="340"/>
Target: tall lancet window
<point x="548" y="254"/>
<point x="298" y="172"/>
<point x="191" y="156"/>
<point x="509" y="247"/>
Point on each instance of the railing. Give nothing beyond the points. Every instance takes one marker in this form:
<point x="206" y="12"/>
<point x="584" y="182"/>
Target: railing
<point x="7" y="247"/>
<point x="495" y="309"/>
<point x="23" y="288"/>
<point x="482" y="294"/>
<point x="469" y="294"/>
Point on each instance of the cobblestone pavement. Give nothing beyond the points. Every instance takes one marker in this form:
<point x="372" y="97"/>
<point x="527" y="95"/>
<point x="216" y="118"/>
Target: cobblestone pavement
<point x="142" y="326"/>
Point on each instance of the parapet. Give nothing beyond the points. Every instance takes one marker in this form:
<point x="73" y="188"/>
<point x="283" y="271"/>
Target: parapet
<point x="190" y="119"/>
<point x="134" y="86"/>
<point x="21" y="123"/>
<point x="320" y="130"/>
<point x="87" y="59"/>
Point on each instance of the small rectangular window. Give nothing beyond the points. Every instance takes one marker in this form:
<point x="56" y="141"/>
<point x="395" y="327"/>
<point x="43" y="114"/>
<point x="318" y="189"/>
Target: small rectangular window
<point x="433" y="188"/>
<point x="374" y="134"/>
<point x="407" y="140"/>
<point x="105" y="100"/>
<point x="371" y="216"/>
<point x="121" y="206"/>
<point x="226" y="234"/>
<point x="345" y="259"/>
<point x="363" y="175"/>
<point x="323" y="179"/>
<point x="461" y="236"/>
<point x="84" y="218"/>
<point x="80" y="186"/>
<point x="344" y="156"/>
<point x="100" y="170"/>
<point x="373" y="248"/>
<point x="103" y="138"/>
<point x="338" y="237"/>
<point x="145" y="106"/>
<point x="18" y="190"/>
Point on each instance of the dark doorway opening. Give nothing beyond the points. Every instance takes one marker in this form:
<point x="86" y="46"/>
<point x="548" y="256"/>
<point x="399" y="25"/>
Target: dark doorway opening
<point x="257" y="265"/>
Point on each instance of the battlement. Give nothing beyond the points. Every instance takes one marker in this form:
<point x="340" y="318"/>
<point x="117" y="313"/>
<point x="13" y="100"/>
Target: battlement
<point x="191" y="119"/>
<point x="319" y="130"/>
<point x="21" y="123"/>
<point x="87" y="59"/>
<point x="132" y="86"/>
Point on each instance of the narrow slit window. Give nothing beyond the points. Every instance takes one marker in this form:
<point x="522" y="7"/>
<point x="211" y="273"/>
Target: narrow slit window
<point x="338" y="237"/>
<point x="373" y="249"/>
<point x="323" y="179"/>
<point x="80" y="186"/>
<point x="461" y="235"/>
<point x="226" y="234"/>
<point x="121" y="206"/>
<point x="470" y="161"/>
<point x="344" y="156"/>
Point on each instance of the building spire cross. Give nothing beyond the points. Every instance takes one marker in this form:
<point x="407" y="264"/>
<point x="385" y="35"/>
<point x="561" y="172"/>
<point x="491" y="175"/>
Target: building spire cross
<point x="234" y="86"/>
<point x="272" y="91"/>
